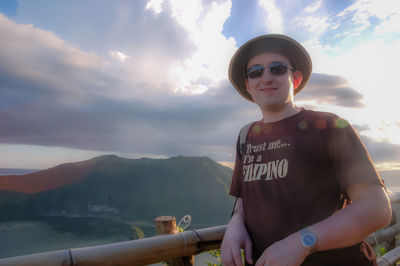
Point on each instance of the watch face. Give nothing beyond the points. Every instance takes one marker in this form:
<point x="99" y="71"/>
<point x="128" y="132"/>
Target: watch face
<point x="309" y="240"/>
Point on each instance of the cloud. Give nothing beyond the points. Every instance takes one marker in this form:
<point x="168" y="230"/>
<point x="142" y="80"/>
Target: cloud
<point x="389" y="166"/>
<point x="331" y="90"/>
<point x="155" y="44"/>
<point x="363" y="11"/>
<point x="168" y="43"/>
<point x="313" y="24"/>
<point x="54" y="94"/>
<point x="389" y="25"/>
<point x="382" y="151"/>
<point x="347" y="24"/>
<point x="204" y="22"/>
<point x="313" y="7"/>
<point x="361" y="128"/>
<point x="274" y="17"/>
<point x="379" y="17"/>
<point x="370" y="69"/>
<point x="119" y="55"/>
<point x="155" y="5"/>
<point x="143" y="77"/>
<point x="38" y="63"/>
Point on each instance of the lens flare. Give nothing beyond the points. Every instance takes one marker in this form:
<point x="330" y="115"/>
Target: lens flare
<point x="302" y="125"/>
<point x="321" y="124"/>
<point x="341" y="123"/>
<point x="257" y="129"/>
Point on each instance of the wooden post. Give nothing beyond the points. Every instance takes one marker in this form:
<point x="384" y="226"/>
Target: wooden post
<point x="167" y="225"/>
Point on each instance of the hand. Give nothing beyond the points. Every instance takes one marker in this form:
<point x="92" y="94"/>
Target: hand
<point x="288" y="251"/>
<point x="235" y="238"/>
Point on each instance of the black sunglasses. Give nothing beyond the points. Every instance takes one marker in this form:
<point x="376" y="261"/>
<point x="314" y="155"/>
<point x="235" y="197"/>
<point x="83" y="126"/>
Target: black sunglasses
<point x="276" y="68"/>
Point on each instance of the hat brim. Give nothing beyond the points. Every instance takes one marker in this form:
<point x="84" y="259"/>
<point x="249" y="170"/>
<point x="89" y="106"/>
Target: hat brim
<point x="272" y="43"/>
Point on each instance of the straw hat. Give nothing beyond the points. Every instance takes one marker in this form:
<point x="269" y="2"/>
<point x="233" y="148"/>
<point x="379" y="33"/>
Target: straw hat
<point x="272" y="43"/>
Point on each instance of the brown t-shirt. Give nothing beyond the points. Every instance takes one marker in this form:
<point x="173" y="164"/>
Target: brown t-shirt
<point x="294" y="173"/>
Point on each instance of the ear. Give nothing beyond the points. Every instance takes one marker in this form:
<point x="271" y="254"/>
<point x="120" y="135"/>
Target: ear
<point x="247" y="85"/>
<point x="297" y="78"/>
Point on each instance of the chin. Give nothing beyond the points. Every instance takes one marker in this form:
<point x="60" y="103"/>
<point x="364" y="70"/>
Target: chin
<point x="272" y="107"/>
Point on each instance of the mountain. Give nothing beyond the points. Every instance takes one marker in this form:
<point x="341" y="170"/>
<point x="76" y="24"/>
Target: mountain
<point x="123" y="189"/>
<point x="47" y="179"/>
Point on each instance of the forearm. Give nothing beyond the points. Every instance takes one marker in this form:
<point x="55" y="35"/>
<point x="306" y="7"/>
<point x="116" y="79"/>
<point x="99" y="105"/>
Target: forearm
<point x="235" y="238"/>
<point x="238" y="214"/>
<point x="353" y="223"/>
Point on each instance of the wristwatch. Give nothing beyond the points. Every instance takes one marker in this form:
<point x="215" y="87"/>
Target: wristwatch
<point x="308" y="240"/>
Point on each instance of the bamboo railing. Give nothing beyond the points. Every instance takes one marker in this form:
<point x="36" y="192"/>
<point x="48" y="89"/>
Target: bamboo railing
<point x="165" y="248"/>
<point x="136" y="252"/>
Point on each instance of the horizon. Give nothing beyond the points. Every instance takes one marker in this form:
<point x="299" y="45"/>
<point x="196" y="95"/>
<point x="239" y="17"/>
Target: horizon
<point x="389" y="176"/>
<point x="227" y="164"/>
<point x="149" y="78"/>
<point x="383" y="168"/>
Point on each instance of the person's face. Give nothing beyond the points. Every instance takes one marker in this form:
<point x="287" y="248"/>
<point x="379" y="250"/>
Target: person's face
<point x="272" y="92"/>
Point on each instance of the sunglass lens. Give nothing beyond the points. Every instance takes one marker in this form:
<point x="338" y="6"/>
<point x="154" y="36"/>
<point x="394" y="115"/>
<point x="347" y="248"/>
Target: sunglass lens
<point x="255" y="71"/>
<point x="278" y="68"/>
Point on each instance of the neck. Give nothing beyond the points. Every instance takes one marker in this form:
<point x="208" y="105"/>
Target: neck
<point x="277" y="114"/>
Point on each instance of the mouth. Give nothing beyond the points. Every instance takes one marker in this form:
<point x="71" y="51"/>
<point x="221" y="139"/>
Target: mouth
<point x="269" y="89"/>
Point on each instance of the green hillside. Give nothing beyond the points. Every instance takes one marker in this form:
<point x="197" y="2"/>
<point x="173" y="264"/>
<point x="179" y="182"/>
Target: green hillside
<point x="135" y="190"/>
<point x="14" y="205"/>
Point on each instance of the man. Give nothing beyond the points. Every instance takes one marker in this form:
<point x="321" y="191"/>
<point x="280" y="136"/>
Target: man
<point x="296" y="170"/>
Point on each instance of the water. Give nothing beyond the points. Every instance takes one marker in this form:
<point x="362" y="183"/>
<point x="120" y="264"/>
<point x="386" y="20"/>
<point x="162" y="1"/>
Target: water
<point x="38" y="235"/>
<point x="16" y="171"/>
<point x="53" y="233"/>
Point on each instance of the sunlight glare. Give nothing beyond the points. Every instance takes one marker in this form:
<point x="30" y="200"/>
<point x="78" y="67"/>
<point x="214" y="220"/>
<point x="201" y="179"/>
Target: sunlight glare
<point x="274" y="16"/>
<point x="213" y="50"/>
<point x="191" y="89"/>
<point x="187" y="13"/>
<point x="119" y="55"/>
<point x="388" y="166"/>
<point x="155" y="5"/>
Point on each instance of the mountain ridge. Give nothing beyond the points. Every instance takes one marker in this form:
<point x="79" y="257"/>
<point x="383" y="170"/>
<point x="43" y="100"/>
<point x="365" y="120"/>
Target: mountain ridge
<point x="65" y="173"/>
<point x="126" y="189"/>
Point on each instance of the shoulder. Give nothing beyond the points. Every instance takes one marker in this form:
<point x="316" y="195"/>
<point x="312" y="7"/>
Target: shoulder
<point x="246" y="128"/>
<point x="243" y="133"/>
<point x="319" y="114"/>
<point x="324" y="120"/>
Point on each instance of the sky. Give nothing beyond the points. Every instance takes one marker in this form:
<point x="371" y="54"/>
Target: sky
<point x="148" y="78"/>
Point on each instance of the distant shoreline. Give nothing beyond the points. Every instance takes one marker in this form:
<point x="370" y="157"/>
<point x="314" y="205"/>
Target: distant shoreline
<point x="16" y="171"/>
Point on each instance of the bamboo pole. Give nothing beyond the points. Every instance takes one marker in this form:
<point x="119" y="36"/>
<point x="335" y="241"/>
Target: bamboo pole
<point x="389" y="258"/>
<point x="58" y="257"/>
<point x="136" y="252"/>
<point x="394" y="197"/>
<point x="167" y="225"/>
<point x="385" y="234"/>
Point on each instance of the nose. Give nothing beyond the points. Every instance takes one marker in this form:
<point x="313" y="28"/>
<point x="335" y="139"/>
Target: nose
<point x="266" y="76"/>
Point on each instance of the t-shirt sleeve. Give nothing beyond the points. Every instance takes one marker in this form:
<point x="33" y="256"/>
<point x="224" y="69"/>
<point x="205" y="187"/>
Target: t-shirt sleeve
<point x="351" y="160"/>
<point x="236" y="185"/>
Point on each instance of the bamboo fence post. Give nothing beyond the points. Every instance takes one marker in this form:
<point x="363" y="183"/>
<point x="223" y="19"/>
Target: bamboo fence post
<point x="394" y="197"/>
<point x="384" y="235"/>
<point x="167" y="225"/>
<point x="389" y="258"/>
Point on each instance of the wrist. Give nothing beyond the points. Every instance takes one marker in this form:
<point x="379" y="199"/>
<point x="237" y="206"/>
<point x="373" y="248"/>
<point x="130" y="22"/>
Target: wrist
<point x="236" y="221"/>
<point x="237" y="215"/>
<point x="308" y="240"/>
